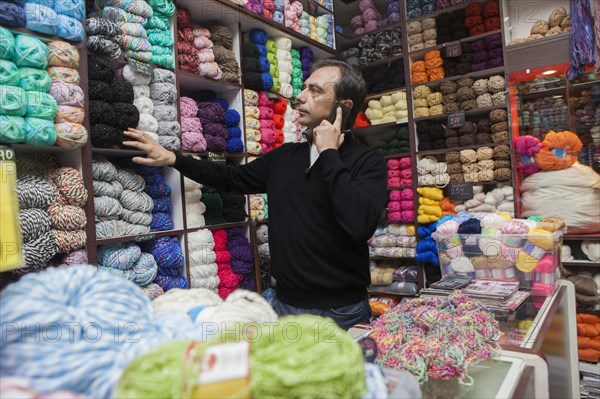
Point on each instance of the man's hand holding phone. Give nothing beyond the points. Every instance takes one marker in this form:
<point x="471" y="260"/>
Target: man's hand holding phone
<point x="328" y="135"/>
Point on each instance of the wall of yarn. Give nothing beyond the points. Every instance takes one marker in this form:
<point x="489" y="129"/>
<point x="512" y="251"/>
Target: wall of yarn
<point x="544" y="114"/>
<point x="28" y="106"/>
<point x="552" y="19"/>
<point x="480" y="131"/>
<point x="389" y="108"/>
<point x="388" y="277"/>
<point x="52" y="219"/>
<point x="145" y="30"/>
<point x="421" y="34"/>
<point x="418" y="8"/>
<point x="163" y="93"/>
<point x="208" y="50"/>
<point x="122" y="206"/>
<point x="394" y="141"/>
<point x="432" y="172"/>
<point x="55" y="18"/>
<point x="264" y="257"/>
<point x="479" y="165"/>
<point x="111" y="104"/>
<point x="374" y="47"/>
<point x="126" y="260"/>
<point x="498" y="247"/>
<point x="588" y="336"/>
<point x="587" y="121"/>
<point x="393" y="241"/>
<point x="259" y="208"/>
<point x="103" y="37"/>
<point x="500" y="198"/>
<point x="271" y="64"/>
<point x="370" y="18"/>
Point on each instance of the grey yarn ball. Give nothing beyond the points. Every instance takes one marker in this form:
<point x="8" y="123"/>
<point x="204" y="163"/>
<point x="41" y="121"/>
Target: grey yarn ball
<point x="165" y="113"/>
<point x="110" y="189"/>
<point x="163" y="93"/>
<point x="171" y="143"/>
<point x="130" y="180"/>
<point x="163" y="76"/>
<point x="169" y="129"/>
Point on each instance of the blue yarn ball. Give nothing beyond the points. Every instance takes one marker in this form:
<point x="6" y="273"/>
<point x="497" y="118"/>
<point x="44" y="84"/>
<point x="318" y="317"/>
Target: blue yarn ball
<point x="428" y="257"/>
<point x="222" y="102"/>
<point x="12" y="14"/>
<point x="161" y="221"/>
<point x="262" y="50"/>
<point x="426" y="245"/>
<point x="232" y="118"/>
<point x="258" y="36"/>
<point x="442" y="220"/>
<point x="166" y="283"/>
<point x="119" y="256"/>
<point x="155" y="178"/>
<point x="163" y="204"/>
<point x="234" y="133"/>
<point x="235" y="145"/>
<point x="265" y="65"/>
<point x="166" y="251"/>
<point x="278" y="17"/>
<point x="69" y="28"/>
<point x="158" y="190"/>
<point x="471" y="226"/>
<point x="426" y="230"/>
<point x="267" y="81"/>
<point x="71" y="8"/>
<point x="41" y="18"/>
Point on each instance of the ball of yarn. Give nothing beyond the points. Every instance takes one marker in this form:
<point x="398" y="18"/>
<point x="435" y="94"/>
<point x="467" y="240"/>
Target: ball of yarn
<point x="39" y="132"/>
<point x="40" y="105"/>
<point x="63" y="54"/>
<point x="34" y="223"/>
<point x="41" y="18"/>
<point x="29" y="51"/>
<point x="7" y="44"/>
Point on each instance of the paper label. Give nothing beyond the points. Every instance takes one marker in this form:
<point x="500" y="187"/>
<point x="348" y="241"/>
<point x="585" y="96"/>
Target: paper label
<point x="225" y="362"/>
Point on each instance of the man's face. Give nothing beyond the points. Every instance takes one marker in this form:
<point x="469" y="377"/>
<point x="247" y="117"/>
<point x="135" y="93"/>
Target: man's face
<point x="317" y="98"/>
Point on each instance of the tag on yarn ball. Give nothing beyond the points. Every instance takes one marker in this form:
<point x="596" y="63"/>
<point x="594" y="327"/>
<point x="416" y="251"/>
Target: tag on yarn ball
<point x="216" y="157"/>
<point x="141" y="67"/>
<point x="217" y="371"/>
<point x="10" y="234"/>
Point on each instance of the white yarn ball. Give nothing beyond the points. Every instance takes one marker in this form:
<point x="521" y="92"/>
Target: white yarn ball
<point x="202" y="256"/>
<point x="591" y="249"/>
<point x="144" y="105"/>
<point x="203" y="271"/>
<point x="209" y="283"/>
<point x="181" y="300"/>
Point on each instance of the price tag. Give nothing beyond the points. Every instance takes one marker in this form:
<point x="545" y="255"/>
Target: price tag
<point x="453" y="49"/>
<point x="456" y="120"/>
<point x="460" y="191"/>
<point x="217" y="157"/>
<point x="141" y="67"/>
<point x="272" y="96"/>
<point x="144" y="237"/>
<point x="7" y="153"/>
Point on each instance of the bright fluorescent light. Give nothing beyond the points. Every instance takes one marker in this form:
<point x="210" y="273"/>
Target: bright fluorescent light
<point x="549" y="72"/>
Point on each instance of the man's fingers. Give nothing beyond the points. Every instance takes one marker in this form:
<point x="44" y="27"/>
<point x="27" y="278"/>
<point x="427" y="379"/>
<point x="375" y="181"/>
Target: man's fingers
<point x="338" y="119"/>
<point x="143" y="161"/>
<point x="136" y="134"/>
<point x="137" y="145"/>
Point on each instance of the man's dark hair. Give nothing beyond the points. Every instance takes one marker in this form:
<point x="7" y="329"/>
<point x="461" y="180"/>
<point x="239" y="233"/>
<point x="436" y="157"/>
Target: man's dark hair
<point x="350" y="86"/>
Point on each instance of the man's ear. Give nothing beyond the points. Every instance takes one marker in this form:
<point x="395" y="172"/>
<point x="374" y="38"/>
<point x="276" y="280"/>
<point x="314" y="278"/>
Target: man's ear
<point x="347" y="103"/>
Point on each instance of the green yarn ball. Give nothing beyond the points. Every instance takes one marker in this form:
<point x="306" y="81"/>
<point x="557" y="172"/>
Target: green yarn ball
<point x="13" y="101"/>
<point x="9" y="73"/>
<point x="160" y="50"/>
<point x="535" y="218"/>
<point x="155" y="22"/>
<point x="307" y="357"/>
<point x="41" y="105"/>
<point x="34" y="79"/>
<point x="160" y="38"/>
<point x="389" y="135"/>
<point x="156" y="374"/>
<point x="7" y="44"/>
<point x="39" y="132"/>
<point x="165" y="7"/>
<point x="12" y="129"/>
<point x="30" y="52"/>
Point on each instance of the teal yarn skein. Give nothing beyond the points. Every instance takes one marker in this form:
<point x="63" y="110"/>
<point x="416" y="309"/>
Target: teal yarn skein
<point x="39" y="132"/>
<point x="7" y="44"/>
<point x="34" y="79"/>
<point x="13" y="101"/>
<point x="41" y="105"/>
<point x="9" y="73"/>
<point x="12" y="129"/>
<point x="30" y="52"/>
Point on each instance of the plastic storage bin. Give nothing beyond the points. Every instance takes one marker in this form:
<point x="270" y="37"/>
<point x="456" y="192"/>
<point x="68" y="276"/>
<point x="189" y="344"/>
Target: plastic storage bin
<point x="531" y="259"/>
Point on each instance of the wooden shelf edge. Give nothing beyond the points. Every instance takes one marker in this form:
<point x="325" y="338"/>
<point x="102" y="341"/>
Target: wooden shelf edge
<point x="139" y="237"/>
<point x="43" y="36"/>
<point x="219" y="226"/>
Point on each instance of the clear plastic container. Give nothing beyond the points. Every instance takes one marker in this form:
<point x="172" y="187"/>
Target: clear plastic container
<point x="530" y="259"/>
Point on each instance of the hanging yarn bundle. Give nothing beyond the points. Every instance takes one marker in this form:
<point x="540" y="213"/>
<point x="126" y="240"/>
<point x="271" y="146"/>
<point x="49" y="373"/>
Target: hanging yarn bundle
<point x="528" y="147"/>
<point x="581" y="46"/>
<point x="558" y="151"/>
<point x="435" y="337"/>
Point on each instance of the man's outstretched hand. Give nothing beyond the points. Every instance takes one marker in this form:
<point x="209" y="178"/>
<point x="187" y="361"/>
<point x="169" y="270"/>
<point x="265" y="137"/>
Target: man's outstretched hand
<point x="156" y="155"/>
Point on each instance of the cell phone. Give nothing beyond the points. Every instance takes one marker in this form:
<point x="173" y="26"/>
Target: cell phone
<point x="345" y="114"/>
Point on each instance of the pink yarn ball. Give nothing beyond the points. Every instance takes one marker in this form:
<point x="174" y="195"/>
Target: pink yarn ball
<point x="455" y="252"/>
<point x="393" y="164"/>
<point x="528" y="145"/>
<point x="407" y="216"/>
<point x="405" y="163"/>
<point x="267" y="124"/>
<point x="395" y="206"/>
<point x="547" y="264"/>
<point x="407" y="205"/>
<point x="264" y="101"/>
<point x="371" y="26"/>
<point x="449" y="227"/>
<point x="267" y="136"/>
<point x="265" y="148"/>
<point x="266" y="112"/>
<point x="188" y="107"/>
<point x="193" y="142"/>
<point x="529" y="169"/>
<point x="191" y="125"/>
<point x="406" y="182"/>
<point x="407" y="194"/>
<point x="514" y="227"/>
<point x="406" y="173"/>
<point x="395" y="195"/>
<point x="394" y="182"/>
<point x="393" y="173"/>
<point x="395" y="217"/>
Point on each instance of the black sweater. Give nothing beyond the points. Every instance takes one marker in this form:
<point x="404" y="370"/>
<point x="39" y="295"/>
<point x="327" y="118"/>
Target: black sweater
<point x="320" y="217"/>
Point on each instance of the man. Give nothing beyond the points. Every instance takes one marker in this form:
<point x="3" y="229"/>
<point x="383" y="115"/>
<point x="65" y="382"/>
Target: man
<point x="326" y="198"/>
